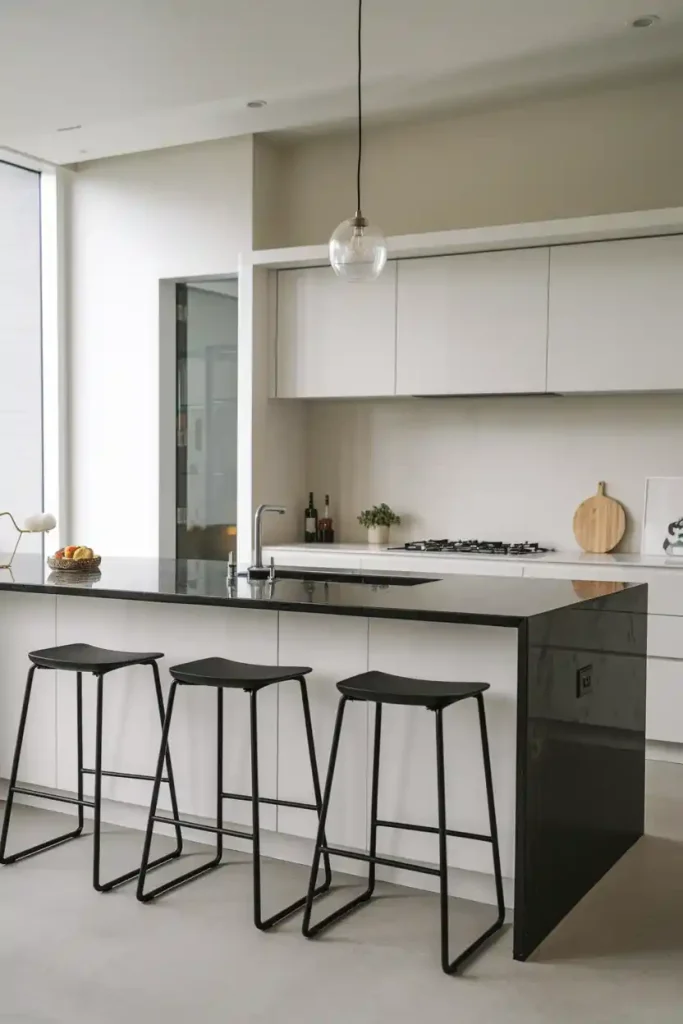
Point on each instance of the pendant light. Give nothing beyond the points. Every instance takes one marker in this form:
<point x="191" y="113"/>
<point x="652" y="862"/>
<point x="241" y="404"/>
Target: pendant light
<point x="358" y="250"/>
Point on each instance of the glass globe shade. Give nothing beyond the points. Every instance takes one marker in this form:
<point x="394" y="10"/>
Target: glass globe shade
<point x="358" y="250"/>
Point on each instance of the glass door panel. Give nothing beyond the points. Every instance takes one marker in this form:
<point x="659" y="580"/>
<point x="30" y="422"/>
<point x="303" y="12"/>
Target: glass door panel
<point x="206" y="339"/>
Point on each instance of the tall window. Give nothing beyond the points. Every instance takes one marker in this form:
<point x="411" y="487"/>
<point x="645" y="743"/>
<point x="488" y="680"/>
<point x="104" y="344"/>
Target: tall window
<point x="21" y="430"/>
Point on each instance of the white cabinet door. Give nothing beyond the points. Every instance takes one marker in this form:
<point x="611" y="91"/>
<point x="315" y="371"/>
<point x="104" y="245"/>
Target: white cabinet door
<point x="407" y="779"/>
<point x="664" y="700"/>
<point x="337" y="647"/>
<point x="616" y="316"/>
<point x="27" y="623"/>
<point x="335" y="339"/>
<point x="473" y="324"/>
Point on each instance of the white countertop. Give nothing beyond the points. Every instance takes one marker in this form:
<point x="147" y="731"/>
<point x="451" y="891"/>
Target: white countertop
<point x="551" y="558"/>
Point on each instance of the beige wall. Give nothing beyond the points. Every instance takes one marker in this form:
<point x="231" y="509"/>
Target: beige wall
<point x="493" y="468"/>
<point x="593" y="152"/>
<point x="134" y="220"/>
<point x="268" y="214"/>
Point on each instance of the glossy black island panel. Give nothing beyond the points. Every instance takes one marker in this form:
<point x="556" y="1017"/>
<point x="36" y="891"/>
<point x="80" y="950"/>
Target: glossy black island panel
<point x="580" y="753"/>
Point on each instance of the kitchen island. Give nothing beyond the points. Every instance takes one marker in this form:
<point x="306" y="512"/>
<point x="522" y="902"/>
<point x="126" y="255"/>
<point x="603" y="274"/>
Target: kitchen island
<point x="566" y="708"/>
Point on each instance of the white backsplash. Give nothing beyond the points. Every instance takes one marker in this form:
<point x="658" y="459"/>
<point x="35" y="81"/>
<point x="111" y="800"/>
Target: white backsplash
<point x="493" y="468"/>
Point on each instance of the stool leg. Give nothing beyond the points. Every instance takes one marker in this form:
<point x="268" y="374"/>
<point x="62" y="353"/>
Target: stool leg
<point x="255" y="817"/>
<point x="169" y="767"/>
<point x="48" y="844"/>
<point x="220" y="781"/>
<point x="500" y="898"/>
<point x="443" y="849"/>
<point x="129" y="875"/>
<point x="309" y="930"/>
<point x="449" y="966"/>
<point x="256" y="829"/>
<point x="374" y="798"/>
<point x="143" y="896"/>
<point x="79" y="746"/>
<point x="97" y="814"/>
<point x="316" y="778"/>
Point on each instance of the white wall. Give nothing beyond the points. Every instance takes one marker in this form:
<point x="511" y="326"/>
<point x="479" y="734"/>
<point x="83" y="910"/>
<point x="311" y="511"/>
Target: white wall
<point x="174" y="213"/>
<point x="21" y="426"/>
<point x="493" y="468"/>
<point x="603" y="150"/>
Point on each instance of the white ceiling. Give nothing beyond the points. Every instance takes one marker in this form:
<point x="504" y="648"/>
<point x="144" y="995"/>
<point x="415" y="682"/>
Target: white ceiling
<point x="141" y="74"/>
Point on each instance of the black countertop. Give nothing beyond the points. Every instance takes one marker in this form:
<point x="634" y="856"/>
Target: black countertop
<point x="483" y="600"/>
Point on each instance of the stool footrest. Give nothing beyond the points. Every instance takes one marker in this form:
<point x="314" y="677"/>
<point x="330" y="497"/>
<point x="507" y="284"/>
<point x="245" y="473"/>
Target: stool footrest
<point x="184" y="823"/>
<point x="121" y="775"/>
<point x="27" y="791"/>
<point x="274" y="801"/>
<point x="387" y="862"/>
<point x="432" y="830"/>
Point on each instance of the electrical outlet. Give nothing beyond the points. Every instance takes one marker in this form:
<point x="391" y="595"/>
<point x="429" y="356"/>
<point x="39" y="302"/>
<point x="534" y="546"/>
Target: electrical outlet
<point x="584" y="681"/>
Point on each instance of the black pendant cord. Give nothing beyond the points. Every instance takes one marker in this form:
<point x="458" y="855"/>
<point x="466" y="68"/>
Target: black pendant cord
<point x="360" y="108"/>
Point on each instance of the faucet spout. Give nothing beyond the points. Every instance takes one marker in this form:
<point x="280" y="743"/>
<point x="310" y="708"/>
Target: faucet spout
<point x="256" y="570"/>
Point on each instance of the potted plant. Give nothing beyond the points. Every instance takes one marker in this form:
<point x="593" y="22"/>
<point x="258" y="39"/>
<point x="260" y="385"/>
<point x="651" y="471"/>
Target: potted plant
<point x="377" y="521"/>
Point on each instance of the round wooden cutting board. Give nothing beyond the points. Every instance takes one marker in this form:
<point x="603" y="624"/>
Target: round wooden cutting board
<point x="599" y="522"/>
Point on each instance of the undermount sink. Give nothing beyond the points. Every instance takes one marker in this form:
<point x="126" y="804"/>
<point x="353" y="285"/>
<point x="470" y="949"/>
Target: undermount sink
<point x="367" y="579"/>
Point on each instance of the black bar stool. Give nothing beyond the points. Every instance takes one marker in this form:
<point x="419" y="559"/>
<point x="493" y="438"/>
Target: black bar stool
<point x="381" y="688"/>
<point x="80" y="658"/>
<point x="221" y="674"/>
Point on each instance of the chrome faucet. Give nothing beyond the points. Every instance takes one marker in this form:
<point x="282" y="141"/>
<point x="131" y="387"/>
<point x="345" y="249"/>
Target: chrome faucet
<point x="256" y="570"/>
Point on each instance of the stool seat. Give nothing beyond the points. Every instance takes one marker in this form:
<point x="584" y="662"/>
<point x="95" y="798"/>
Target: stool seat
<point x="385" y="688"/>
<point x="238" y="674"/>
<point x="85" y="658"/>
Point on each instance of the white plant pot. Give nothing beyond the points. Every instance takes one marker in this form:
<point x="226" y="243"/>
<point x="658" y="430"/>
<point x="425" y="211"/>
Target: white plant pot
<point x="378" y="535"/>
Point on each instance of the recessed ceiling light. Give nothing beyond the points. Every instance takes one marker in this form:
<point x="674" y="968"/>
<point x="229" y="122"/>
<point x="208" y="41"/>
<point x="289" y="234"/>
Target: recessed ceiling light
<point x="256" y="104"/>
<point x="70" y="128"/>
<point x="645" y="21"/>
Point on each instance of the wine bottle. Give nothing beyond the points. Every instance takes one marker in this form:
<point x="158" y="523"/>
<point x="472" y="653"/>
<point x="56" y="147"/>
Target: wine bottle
<point x="310" y="521"/>
<point x="325" y="525"/>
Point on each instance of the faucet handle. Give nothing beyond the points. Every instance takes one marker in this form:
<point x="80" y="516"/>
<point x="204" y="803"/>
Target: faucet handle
<point x="271" y="574"/>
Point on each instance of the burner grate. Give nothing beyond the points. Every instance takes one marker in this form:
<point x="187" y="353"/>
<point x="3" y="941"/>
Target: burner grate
<point x="475" y="547"/>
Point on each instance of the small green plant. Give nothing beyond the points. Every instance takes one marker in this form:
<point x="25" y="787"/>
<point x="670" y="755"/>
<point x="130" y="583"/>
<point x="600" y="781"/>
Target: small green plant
<point x="378" y="515"/>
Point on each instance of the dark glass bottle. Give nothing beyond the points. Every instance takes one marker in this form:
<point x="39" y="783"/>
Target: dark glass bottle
<point x="310" y="521"/>
<point x="325" y="525"/>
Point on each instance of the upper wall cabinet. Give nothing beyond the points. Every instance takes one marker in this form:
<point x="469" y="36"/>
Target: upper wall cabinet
<point x="473" y="324"/>
<point x="335" y="339"/>
<point x="616" y="316"/>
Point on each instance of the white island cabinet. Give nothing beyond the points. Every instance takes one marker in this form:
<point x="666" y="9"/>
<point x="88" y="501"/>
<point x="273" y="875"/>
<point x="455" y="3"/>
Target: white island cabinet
<point x="473" y="324"/>
<point x="616" y="316"/>
<point x="335" y="339"/>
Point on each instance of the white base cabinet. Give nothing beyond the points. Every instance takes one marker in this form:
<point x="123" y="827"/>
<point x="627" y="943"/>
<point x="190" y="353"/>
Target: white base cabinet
<point x="336" y="648"/>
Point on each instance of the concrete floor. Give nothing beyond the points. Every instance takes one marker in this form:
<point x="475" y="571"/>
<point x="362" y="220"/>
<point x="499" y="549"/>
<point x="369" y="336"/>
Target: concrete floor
<point x="68" y="954"/>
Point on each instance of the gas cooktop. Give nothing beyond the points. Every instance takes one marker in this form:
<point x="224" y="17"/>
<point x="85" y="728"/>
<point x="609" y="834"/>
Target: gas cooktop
<point x="474" y="547"/>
